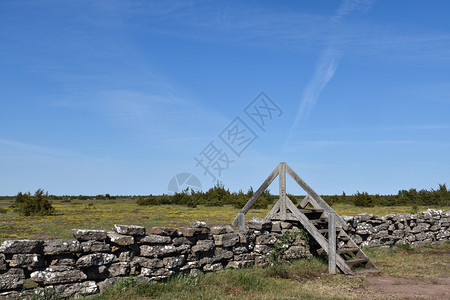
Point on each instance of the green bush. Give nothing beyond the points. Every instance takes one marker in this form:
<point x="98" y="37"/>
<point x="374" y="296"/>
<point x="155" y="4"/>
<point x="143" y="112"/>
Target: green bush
<point x="363" y="199"/>
<point x="151" y="200"/>
<point x="38" y="204"/>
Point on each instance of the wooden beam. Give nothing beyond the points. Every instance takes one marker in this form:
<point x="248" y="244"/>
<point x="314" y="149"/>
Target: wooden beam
<point x="273" y="211"/>
<point x="305" y="201"/>
<point x="314" y="195"/>
<point x="314" y="203"/>
<point x="331" y="244"/>
<point x="317" y="236"/>
<point x="258" y="193"/>
<point x="241" y="221"/>
<point x="282" y="188"/>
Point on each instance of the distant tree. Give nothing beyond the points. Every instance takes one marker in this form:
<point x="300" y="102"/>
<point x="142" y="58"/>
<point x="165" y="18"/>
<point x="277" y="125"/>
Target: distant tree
<point x="363" y="199"/>
<point x="38" y="204"/>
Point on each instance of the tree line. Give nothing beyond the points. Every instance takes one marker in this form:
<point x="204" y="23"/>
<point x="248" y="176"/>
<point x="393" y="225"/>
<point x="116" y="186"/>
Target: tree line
<point x="40" y="203"/>
<point x="218" y="195"/>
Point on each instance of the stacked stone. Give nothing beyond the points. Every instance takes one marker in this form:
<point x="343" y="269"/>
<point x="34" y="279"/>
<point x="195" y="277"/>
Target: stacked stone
<point x="428" y="227"/>
<point x="97" y="258"/>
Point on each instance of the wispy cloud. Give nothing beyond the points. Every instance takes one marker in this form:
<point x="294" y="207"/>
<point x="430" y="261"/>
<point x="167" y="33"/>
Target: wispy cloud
<point x="34" y="149"/>
<point x="321" y="144"/>
<point x="324" y="71"/>
<point x="326" y="65"/>
<point x="400" y="128"/>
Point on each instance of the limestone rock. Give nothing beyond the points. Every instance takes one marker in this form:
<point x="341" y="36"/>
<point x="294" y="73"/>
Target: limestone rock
<point x="157" y="273"/>
<point x="189" y="232"/>
<point x="222" y="254"/>
<point x="212" y="267"/>
<point x="158" y="250"/>
<point x="21" y="247"/>
<point x="26" y="260"/>
<point x="203" y="246"/>
<point x="295" y="252"/>
<point x="126" y="256"/>
<point x="178" y="241"/>
<point x="259" y="224"/>
<point x="75" y="289"/>
<point x="276" y="226"/>
<point x="119" y="269"/>
<point x="119" y="239"/>
<point x="183" y="249"/>
<point x="94" y="246"/>
<point x="226" y="240"/>
<point x="266" y="239"/>
<point x="54" y="275"/>
<point x="163" y="231"/>
<point x="106" y="284"/>
<point x="174" y="261"/>
<point x="155" y="239"/>
<point x="63" y="260"/>
<point x="150" y="263"/>
<point x="96" y="259"/>
<point x="129" y="229"/>
<point x="61" y="247"/>
<point x="89" y="235"/>
<point x="218" y="230"/>
<point x="12" y="279"/>
<point x="3" y="265"/>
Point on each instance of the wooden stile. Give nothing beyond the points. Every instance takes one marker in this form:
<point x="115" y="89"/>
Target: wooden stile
<point x="285" y="210"/>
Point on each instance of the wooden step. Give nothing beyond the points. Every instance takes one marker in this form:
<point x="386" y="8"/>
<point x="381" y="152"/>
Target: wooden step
<point x="319" y="221"/>
<point x="343" y="238"/>
<point x="325" y="230"/>
<point x="347" y="250"/>
<point x="356" y="261"/>
<point x="310" y="211"/>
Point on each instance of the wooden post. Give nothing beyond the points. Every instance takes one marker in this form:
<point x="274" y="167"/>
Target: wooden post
<point x="282" y="188"/>
<point x="331" y="244"/>
<point x="241" y="221"/>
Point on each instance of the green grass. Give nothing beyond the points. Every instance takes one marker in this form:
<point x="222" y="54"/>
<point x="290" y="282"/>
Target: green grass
<point x="103" y="214"/>
<point x="259" y="283"/>
<point x="301" y="279"/>
<point x="403" y="261"/>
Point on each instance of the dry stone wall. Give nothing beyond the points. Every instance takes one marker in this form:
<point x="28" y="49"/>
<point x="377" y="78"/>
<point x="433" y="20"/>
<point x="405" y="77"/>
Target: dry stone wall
<point x="97" y="258"/>
<point x="426" y="227"/>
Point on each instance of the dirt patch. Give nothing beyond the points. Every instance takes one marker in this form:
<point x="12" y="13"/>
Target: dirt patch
<point x="389" y="287"/>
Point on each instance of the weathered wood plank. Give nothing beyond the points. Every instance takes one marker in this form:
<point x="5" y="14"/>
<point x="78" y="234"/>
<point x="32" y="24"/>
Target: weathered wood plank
<point x="282" y="188"/>
<point x="258" y="193"/>
<point x="241" y="221"/>
<point x="273" y="211"/>
<point x="360" y="253"/>
<point x="317" y="236"/>
<point x="331" y="244"/>
<point x="304" y="202"/>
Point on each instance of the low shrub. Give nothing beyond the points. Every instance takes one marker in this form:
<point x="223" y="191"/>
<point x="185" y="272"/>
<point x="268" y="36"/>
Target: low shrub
<point x="151" y="200"/>
<point x="38" y="204"/>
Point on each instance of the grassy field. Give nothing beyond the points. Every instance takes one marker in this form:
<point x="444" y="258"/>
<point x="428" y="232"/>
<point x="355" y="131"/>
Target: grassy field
<point x="404" y="273"/>
<point x="103" y="214"/>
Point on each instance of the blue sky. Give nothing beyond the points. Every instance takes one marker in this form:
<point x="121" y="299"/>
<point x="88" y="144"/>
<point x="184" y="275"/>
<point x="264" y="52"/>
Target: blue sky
<point x="119" y="96"/>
